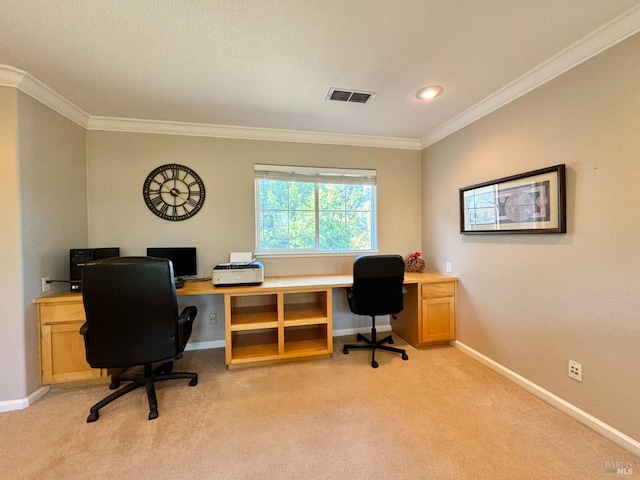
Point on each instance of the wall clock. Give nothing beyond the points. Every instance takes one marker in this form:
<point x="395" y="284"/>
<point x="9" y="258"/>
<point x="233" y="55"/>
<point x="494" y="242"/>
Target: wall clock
<point x="173" y="192"/>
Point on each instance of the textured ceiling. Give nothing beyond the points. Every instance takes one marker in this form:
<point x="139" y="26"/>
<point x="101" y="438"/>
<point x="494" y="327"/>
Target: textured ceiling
<point x="270" y="63"/>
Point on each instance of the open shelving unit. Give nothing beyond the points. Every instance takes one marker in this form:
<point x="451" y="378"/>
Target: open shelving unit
<point x="279" y="326"/>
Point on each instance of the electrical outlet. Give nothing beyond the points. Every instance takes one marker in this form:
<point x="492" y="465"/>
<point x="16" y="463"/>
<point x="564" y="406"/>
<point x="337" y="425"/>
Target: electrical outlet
<point x="575" y="370"/>
<point x="212" y="319"/>
<point x="45" y="286"/>
<point x="447" y="267"/>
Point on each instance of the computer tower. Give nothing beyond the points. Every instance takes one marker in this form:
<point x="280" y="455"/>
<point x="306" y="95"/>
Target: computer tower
<point x="79" y="256"/>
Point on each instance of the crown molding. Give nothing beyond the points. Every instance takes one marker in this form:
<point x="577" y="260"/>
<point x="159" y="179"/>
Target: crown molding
<point x="14" y="77"/>
<point x="11" y="76"/>
<point x="589" y="46"/>
<point x="247" y="133"/>
<point x="599" y="40"/>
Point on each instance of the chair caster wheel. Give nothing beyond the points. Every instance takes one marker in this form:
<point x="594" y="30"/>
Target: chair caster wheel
<point x="374" y="364"/>
<point x="359" y="337"/>
<point x="153" y="415"/>
<point x="93" y="417"/>
<point x="391" y="341"/>
<point x="193" y="383"/>
<point x="345" y="350"/>
<point x="405" y="356"/>
<point x="114" y="385"/>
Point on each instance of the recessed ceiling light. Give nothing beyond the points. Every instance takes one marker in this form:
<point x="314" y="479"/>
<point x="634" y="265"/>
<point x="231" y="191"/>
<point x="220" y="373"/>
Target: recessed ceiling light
<point x="427" y="93"/>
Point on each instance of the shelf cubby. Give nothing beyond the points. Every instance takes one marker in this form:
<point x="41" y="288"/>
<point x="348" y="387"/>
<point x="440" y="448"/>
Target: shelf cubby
<point x="249" y="312"/>
<point x="254" y="344"/>
<point x="305" y="308"/>
<point x="306" y="340"/>
<point x="277" y="326"/>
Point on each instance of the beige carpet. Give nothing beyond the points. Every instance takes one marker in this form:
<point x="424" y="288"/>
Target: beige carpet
<point x="440" y="415"/>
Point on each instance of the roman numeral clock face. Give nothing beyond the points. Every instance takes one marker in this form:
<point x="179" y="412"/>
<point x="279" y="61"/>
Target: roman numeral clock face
<point x="173" y="192"/>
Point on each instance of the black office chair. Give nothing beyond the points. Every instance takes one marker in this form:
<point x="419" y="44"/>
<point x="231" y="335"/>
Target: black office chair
<point x="377" y="290"/>
<point x="132" y="320"/>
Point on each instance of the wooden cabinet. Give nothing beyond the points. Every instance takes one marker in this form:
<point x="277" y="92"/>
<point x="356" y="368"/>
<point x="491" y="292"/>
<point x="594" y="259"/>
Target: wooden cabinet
<point x="277" y="326"/>
<point x="282" y="320"/>
<point x="62" y="354"/>
<point x="428" y="317"/>
<point x="438" y="313"/>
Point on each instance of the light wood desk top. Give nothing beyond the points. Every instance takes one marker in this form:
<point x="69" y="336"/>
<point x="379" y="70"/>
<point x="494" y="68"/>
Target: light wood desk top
<point x="283" y="283"/>
<point x="300" y="282"/>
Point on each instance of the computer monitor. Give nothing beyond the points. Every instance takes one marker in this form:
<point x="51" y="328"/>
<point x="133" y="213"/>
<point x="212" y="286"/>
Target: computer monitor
<point x="183" y="259"/>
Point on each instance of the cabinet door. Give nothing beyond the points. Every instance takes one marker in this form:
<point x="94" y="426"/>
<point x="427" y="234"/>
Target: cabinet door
<point x="438" y="319"/>
<point x="63" y="354"/>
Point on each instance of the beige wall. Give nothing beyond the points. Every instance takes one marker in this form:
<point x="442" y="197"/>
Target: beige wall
<point x="118" y="164"/>
<point x="53" y="198"/>
<point x="43" y="163"/>
<point x="531" y="302"/>
<point x="12" y="351"/>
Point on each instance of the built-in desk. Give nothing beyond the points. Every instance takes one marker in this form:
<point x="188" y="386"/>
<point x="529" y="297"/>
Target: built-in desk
<point x="284" y="319"/>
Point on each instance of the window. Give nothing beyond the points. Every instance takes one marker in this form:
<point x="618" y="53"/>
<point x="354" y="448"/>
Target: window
<point x="314" y="210"/>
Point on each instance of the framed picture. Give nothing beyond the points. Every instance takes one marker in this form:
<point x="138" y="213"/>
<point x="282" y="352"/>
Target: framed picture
<point x="532" y="202"/>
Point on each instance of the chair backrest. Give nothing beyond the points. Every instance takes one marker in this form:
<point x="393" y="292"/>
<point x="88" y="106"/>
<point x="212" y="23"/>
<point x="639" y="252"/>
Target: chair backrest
<point x="131" y="311"/>
<point x="377" y="285"/>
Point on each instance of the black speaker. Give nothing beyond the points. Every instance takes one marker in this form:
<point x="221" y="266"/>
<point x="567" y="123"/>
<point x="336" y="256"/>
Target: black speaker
<point x="79" y="256"/>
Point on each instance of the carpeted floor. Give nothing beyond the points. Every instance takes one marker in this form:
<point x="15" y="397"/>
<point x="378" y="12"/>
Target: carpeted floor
<point x="440" y="415"/>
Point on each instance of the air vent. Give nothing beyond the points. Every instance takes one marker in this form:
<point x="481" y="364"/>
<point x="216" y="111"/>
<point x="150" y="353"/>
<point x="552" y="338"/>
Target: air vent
<point x="342" y="95"/>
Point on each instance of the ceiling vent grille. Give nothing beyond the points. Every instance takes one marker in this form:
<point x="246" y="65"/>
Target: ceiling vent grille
<point x="342" y="95"/>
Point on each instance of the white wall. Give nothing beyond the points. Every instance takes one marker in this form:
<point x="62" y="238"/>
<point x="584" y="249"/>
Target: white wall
<point x="531" y="302"/>
<point x="118" y="164"/>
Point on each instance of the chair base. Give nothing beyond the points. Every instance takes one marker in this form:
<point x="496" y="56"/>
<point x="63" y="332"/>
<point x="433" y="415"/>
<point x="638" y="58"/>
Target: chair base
<point x="146" y="379"/>
<point x="373" y="344"/>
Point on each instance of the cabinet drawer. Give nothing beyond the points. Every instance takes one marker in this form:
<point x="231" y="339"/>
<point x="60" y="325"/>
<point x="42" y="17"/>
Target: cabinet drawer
<point x="438" y="290"/>
<point x="61" y="312"/>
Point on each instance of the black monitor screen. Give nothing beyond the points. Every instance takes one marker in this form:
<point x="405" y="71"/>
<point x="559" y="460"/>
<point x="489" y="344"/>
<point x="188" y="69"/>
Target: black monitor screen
<point x="183" y="259"/>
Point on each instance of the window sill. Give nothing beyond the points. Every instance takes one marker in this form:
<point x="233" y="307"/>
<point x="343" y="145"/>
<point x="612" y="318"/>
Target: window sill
<point x="314" y="254"/>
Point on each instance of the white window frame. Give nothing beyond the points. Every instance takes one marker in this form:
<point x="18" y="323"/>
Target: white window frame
<point x="316" y="175"/>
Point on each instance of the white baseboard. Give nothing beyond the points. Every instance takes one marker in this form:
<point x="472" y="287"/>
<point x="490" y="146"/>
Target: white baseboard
<point x="204" y="345"/>
<point x="353" y="331"/>
<point x="583" y="417"/>
<point x="21" y="403"/>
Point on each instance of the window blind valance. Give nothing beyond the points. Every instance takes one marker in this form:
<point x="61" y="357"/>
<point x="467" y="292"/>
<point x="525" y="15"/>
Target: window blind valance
<point x="291" y="173"/>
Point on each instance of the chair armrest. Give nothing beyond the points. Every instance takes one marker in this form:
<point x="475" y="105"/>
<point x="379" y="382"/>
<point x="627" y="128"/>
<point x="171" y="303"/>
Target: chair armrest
<point x="349" y="291"/>
<point x="187" y="315"/>
<point x="185" y="325"/>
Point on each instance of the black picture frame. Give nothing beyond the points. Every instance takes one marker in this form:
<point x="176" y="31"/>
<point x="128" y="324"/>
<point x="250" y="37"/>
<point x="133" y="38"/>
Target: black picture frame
<point x="531" y="202"/>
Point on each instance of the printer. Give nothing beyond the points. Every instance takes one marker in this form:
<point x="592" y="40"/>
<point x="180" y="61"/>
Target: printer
<point x="239" y="271"/>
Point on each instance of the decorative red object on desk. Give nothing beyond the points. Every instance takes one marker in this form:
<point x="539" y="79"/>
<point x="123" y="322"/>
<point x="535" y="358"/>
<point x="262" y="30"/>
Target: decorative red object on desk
<point x="414" y="263"/>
